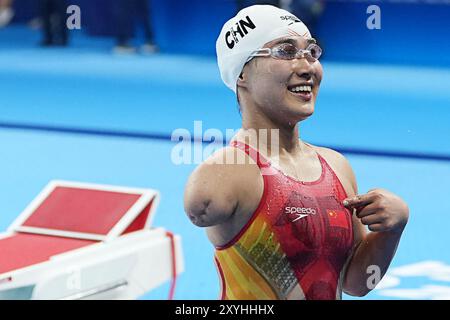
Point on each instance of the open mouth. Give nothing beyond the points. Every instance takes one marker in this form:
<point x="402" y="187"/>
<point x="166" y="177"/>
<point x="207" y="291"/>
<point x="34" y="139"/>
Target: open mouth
<point x="303" y="91"/>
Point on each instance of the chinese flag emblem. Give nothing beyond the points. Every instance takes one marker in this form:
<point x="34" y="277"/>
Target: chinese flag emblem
<point x="337" y="218"/>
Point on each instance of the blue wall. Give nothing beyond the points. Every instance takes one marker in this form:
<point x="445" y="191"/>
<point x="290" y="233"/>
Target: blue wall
<point x="411" y="33"/>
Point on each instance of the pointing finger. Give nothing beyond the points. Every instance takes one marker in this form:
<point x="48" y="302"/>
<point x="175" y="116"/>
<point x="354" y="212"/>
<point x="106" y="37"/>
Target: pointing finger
<point x="359" y="200"/>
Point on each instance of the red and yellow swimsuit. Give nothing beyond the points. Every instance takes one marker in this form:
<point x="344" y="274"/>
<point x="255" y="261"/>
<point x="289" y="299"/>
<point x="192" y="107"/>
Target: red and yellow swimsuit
<point x="296" y="243"/>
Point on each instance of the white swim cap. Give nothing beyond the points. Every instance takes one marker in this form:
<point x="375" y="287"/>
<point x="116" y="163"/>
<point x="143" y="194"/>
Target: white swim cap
<point x="248" y="31"/>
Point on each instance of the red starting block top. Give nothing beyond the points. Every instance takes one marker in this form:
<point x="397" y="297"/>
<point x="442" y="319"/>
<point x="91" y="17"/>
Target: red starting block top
<point x="81" y="210"/>
<point x="67" y="215"/>
<point x="87" y="211"/>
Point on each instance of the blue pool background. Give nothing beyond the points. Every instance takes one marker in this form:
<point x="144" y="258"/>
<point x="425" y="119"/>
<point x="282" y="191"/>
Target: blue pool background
<point x="84" y="114"/>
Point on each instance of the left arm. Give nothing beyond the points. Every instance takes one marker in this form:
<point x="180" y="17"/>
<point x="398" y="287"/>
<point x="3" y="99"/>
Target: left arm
<point x="386" y="216"/>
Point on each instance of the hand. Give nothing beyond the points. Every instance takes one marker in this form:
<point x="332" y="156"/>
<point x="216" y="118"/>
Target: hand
<point x="380" y="210"/>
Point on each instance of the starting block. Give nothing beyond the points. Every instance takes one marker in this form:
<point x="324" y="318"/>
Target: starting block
<point x="87" y="241"/>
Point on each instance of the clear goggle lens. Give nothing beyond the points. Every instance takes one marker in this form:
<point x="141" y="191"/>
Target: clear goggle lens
<point x="287" y="51"/>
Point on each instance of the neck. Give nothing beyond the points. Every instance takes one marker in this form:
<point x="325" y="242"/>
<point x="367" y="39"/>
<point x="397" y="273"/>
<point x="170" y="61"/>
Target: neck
<point x="288" y="140"/>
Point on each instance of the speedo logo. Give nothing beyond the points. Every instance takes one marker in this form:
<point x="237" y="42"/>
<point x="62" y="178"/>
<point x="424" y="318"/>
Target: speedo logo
<point x="293" y="18"/>
<point x="239" y="31"/>
<point x="300" y="212"/>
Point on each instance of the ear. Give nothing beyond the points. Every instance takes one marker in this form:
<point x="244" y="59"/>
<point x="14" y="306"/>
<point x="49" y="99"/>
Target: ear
<point x="242" y="80"/>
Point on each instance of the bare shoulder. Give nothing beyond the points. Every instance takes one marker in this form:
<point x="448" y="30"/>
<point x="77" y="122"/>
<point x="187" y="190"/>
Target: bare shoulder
<point x="214" y="174"/>
<point x="219" y="186"/>
<point x="225" y="164"/>
<point x="333" y="157"/>
<point x="339" y="164"/>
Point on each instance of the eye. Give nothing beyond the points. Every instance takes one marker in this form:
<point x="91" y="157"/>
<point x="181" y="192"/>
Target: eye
<point x="287" y="48"/>
<point x="315" y="50"/>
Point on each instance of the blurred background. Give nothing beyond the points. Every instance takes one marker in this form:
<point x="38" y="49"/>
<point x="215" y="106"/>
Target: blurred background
<point x="99" y="102"/>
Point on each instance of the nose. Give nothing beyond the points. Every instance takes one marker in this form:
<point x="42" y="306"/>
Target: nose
<point x="303" y="67"/>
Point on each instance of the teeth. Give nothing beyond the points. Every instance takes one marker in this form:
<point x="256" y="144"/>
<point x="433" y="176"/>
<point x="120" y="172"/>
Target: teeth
<point x="301" y="89"/>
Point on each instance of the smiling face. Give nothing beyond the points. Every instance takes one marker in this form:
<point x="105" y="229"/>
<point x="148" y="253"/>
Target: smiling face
<point x="284" y="90"/>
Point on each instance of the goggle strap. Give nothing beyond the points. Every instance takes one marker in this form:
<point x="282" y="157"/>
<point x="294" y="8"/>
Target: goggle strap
<point x="264" y="52"/>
